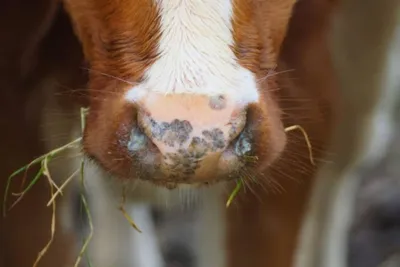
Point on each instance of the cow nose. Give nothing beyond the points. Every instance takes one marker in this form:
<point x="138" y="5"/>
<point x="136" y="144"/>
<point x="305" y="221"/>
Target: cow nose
<point x="189" y="131"/>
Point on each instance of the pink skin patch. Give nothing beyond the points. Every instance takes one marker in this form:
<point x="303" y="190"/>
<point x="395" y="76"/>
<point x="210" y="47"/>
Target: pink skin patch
<point x="190" y="131"/>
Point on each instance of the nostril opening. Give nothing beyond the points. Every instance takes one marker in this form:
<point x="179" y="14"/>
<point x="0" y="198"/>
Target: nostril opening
<point x="242" y="145"/>
<point x="137" y="140"/>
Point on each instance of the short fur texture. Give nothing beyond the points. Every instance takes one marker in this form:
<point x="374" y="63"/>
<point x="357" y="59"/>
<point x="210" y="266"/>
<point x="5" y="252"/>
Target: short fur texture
<point x="295" y="85"/>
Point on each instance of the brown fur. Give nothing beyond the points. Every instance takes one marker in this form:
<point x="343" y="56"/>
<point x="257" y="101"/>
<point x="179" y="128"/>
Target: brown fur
<point x="250" y="49"/>
<point x="117" y="43"/>
<point x="263" y="225"/>
<point x="248" y="45"/>
<point x="306" y="95"/>
<point x="122" y="46"/>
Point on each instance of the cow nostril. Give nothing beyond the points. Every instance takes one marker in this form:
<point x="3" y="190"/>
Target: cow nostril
<point x="137" y="140"/>
<point x="243" y="145"/>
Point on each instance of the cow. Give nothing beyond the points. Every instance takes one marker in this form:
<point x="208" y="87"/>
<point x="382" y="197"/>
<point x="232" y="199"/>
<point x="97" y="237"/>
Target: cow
<point x="185" y="99"/>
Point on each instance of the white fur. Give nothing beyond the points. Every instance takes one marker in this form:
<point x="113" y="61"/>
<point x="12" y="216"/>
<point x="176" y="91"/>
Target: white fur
<point x="195" y="54"/>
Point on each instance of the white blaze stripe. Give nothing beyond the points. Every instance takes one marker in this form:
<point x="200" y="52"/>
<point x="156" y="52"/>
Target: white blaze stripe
<point x="196" y="55"/>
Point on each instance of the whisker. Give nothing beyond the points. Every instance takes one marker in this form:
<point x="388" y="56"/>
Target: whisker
<point x="110" y="76"/>
<point x="272" y="73"/>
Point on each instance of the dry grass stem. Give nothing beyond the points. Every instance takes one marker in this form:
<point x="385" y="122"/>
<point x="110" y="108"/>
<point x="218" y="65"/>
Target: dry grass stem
<point x="40" y="159"/>
<point x="44" y="170"/>
<point x="298" y="127"/>
<point x="126" y="215"/>
<point x="46" y="173"/>
<point x="53" y="216"/>
<point x="67" y="181"/>
<point x="89" y="238"/>
<point x="84" y="201"/>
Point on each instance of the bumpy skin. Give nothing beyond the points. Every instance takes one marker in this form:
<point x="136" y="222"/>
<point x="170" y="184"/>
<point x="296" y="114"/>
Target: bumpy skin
<point x="260" y="233"/>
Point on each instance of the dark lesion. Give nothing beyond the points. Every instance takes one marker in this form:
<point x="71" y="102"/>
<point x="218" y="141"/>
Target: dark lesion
<point x="172" y="133"/>
<point x="185" y="161"/>
<point x="191" y="149"/>
<point x="182" y="164"/>
<point x="215" y="138"/>
<point x="217" y="102"/>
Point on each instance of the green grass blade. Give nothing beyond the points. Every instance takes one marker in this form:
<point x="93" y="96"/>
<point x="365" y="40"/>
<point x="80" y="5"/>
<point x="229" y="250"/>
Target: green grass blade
<point x="239" y="184"/>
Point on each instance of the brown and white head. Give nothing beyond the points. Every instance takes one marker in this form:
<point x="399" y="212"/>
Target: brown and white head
<point x="178" y="93"/>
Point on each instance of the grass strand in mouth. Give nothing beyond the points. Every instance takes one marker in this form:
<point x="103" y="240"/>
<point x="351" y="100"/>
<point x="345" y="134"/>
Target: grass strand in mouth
<point x="39" y="174"/>
<point x="69" y="179"/>
<point x="46" y="173"/>
<point x="298" y="127"/>
<point x="44" y="160"/>
<point x="239" y="183"/>
<point x="84" y="201"/>
<point x="126" y="215"/>
<point x="234" y="192"/>
<point x="91" y="230"/>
